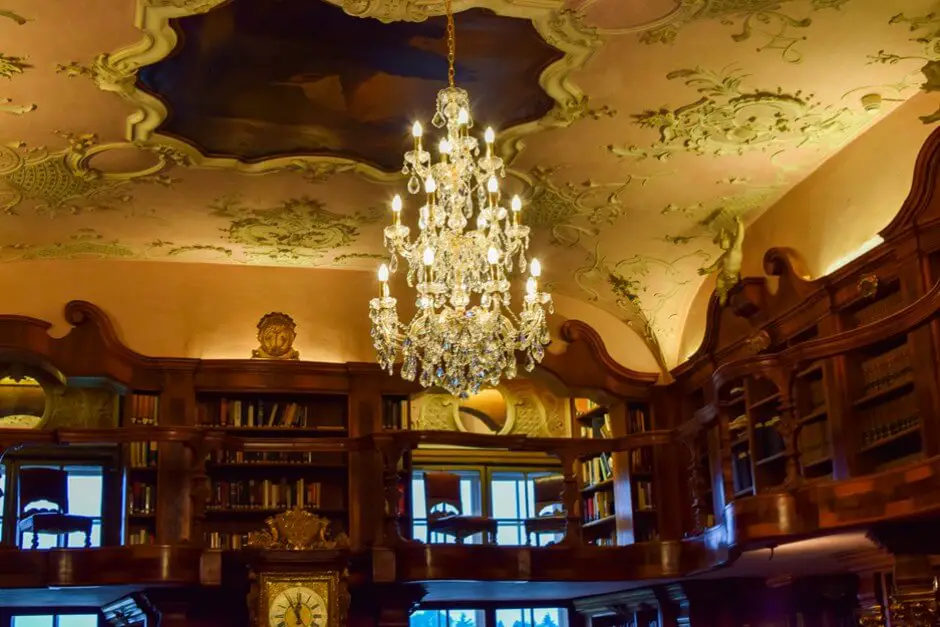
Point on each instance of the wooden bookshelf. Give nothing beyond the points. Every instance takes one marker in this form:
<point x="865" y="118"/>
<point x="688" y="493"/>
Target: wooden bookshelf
<point x="884" y="405"/>
<point x="599" y="522"/>
<point x="245" y="487"/>
<point x="140" y="464"/>
<point x="736" y="422"/>
<point x="641" y="468"/>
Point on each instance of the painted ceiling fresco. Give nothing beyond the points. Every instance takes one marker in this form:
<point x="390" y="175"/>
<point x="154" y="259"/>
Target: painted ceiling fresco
<point x="644" y="136"/>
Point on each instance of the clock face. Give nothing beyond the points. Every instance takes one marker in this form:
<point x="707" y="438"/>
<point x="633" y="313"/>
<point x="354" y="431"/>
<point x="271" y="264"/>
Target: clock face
<point x="297" y="607"/>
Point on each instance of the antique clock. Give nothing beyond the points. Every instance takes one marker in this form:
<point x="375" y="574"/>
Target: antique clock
<point x="298" y="599"/>
<point x="298" y="573"/>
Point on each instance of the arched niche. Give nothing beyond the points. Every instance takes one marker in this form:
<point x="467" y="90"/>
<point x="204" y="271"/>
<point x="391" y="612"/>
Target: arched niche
<point x="28" y="389"/>
<point x="522" y="406"/>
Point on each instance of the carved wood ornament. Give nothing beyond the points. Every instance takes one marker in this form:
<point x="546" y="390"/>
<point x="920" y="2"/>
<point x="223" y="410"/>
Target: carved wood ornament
<point x="276" y="334"/>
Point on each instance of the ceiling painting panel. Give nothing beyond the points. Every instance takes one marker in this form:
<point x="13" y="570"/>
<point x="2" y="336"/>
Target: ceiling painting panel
<point x="644" y="140"/>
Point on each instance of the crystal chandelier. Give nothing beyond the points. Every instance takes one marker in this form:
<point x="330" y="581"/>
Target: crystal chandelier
<point x="464" y="334"/>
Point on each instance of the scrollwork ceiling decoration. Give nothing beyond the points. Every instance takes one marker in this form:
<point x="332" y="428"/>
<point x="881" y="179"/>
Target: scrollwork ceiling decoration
<point x="636" y="182"/>
<point x="728" y="118"/>
<point x="11" y="66"/>
<point x="56" y="182"/>
<point x="926" y="34"/>
<point x="771" y="22"/>
<point x="299" y="231"/>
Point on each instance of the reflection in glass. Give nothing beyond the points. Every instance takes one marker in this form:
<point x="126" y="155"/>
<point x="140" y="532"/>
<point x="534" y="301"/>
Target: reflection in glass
<point x="22" y="403"/>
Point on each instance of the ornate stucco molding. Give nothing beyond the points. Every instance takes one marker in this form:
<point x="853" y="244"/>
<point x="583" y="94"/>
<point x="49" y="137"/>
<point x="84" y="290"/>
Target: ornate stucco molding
<point x="117" y="72"/>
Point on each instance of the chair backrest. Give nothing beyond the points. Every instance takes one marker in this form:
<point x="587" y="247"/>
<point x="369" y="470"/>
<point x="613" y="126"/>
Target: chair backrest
<point x="547" y="492"/>
<point x="43" y="484"/>
<point x="442" y="488"/>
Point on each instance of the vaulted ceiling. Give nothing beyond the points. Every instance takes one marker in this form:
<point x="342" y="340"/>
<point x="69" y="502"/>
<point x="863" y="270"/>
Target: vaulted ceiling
<point x="269" y="132"/>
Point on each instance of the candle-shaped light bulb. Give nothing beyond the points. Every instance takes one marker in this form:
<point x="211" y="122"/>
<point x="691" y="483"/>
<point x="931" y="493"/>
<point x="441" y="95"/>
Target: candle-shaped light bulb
<point x="429" y="185"/>
<point x="463" y="116"/>
<point x="444" y="147"/>
<point x="531" y="286"/>
<point x="383" y="273"/>
<point x="489" y="136"/>
<point x="492" y="255"/>
<point x="492" y="185"/>
<point x="516" y="204"/>
<point x="416" y="130"/>
<point x="535" y="268"/>
<point x="428" y="256"/>
<point x="396" y="204"/>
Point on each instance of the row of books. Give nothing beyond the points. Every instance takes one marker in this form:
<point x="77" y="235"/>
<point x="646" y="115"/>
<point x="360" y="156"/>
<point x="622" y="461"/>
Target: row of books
<point x="884" y="370"/>
<point x="264" y="494"/>
<point x="265" y="413"/>
<point x="140" y="536"/>
<point x="396" y="413"/>
<point x="597" y="469"/>
<point x="606" y="541"/>
<point x="643" y="491"/>
<point x="641" y="460"/>
<point x="637" y="420"/>
<point x="225" y="541"/>
<point x="141" y="498"/>
<point x="142" y="454"/>
<point x="598" y="505"/>
<point x="144" y="409"/>
<point x="266" y="457"/>
<point x="885" y="419"/>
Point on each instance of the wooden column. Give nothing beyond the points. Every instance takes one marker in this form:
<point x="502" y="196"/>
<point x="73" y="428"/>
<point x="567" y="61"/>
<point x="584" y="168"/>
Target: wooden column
<point x="174" y="480"/>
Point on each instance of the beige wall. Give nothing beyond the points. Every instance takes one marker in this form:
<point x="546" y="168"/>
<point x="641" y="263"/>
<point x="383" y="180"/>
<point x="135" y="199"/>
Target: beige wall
<point x="210" y="310"/>
<point x="836" y="209"/>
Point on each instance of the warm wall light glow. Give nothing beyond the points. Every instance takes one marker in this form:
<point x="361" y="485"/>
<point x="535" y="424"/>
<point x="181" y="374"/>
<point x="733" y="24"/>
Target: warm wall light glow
<point x="855" y="254"/>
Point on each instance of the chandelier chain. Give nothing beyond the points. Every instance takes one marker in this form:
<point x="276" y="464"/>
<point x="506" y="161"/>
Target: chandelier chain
<point x="451" y="42"/>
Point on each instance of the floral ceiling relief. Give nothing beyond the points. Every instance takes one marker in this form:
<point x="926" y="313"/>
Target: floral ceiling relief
<point x="296" y="231"/>
<point x="569" y="212"/>
<point x="625" y="288"/>
<point x="85" y="242"/>
<point x="771" y="22"/>
<point x="926" y="33"/>
<point x="12" y="66"/>
<point x="730" y="119"/>
<point x="63" y="182"/>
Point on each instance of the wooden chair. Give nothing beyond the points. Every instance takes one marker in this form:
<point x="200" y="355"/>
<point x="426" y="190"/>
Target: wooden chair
<point x="51" y="485"/>
<point x="549" y="515"/>
<point x="443" y="489"/>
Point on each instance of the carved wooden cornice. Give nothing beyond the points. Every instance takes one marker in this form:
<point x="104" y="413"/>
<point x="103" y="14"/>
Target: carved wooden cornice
<point x="800" y="300"/>
<point x="918" y="201"/>
<point x="911" y="317"/>
<point x="92" y="349"/>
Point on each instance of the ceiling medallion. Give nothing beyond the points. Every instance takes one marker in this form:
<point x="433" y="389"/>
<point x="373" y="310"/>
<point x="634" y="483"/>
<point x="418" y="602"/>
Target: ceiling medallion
<point x="463" y="335"/>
